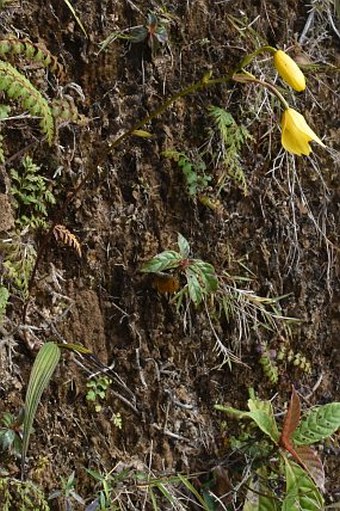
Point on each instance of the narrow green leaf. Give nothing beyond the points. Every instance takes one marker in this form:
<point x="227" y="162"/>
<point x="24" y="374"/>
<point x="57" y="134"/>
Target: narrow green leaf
<point x="233" y="412"/>
<point x="320" y="423"/>
<point x="183" y="245"/>
<point x="163" y="261"/>
<point x="42" y="370"/>
<point x="70" y="6"/>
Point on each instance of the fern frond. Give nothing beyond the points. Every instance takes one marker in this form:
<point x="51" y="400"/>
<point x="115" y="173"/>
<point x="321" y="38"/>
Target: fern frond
<point x="33" y="52"/>
<point x="18" y="263"/>
<point x="65" y="110"/>
<point x="17" y="86"/>
<point x="4" y="295"/>
<point x="68" y="238"/>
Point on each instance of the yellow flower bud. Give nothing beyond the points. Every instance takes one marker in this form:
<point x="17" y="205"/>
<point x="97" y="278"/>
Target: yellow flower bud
<point x="289" y="71"/>
<point x="296" y="134"/>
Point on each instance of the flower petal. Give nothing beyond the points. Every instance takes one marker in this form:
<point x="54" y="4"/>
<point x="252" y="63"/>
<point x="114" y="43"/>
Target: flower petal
<point x="296" y="134"/>
<point x="289" y="71"/>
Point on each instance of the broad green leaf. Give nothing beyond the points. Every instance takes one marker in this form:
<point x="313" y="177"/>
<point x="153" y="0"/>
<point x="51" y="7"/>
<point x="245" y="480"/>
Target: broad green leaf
<point x="42" y="370"/>
<point x="183" y="245"/>
<point x="266" y="423"/>
<point x="163" y="261"/>
<point x="320" y="423"/>
<point x="301" y="492"/>
<point x="266" y="417"/>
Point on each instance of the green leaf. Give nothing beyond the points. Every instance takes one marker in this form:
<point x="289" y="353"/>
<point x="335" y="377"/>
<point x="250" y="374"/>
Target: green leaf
<point x="301" y="492"/>
<point x="207" y="275"/>
<point x="183" y="245"/>
<point x="263" y="418"/>
<point x="163" y="261"/>
<point x="233" y="412"/>
<point x="42" y="370"/>
<point x="194" y="287"/>
<point x="262" y="413"/>
<point x="266" y="423"/>
<point x="4" y="295"/>
<point x="320" y="423"/>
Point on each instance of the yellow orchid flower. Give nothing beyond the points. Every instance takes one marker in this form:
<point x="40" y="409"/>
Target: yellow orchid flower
<point x="289" y="71"/>
<point x="296" y="134"/>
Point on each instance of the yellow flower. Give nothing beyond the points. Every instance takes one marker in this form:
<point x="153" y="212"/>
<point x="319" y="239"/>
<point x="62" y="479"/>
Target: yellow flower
<point x="296" y="134"/>
<point x="289" y="71"/>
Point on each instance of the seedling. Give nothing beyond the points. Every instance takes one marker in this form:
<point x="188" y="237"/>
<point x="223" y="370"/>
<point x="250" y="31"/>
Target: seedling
<point x="201" y="280"/>
<point x="194" y="172"/>
<point x="97" y="388"/>
<point x="300" y="465"/>
<point x="67" y="493"/>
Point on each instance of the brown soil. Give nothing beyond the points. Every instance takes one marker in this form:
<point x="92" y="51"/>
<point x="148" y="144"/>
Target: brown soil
<point x="167" y="375"/>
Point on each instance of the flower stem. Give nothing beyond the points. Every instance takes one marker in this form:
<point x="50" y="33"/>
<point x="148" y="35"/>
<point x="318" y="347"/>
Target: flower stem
<point x="246" y="77"/>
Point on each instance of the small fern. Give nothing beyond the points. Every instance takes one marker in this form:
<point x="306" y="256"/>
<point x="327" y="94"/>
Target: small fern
<point x="31" y="195"/>
<point x="232" y="138"/>
<point x="21" y="495"/>
<point x="19" y="259"/>
<point x="67" y="237"/>
<point x="34" y="52"/>
<point x="4" y="295"/>
<point x="17" y="86"/>
<point x="195" y="177"/>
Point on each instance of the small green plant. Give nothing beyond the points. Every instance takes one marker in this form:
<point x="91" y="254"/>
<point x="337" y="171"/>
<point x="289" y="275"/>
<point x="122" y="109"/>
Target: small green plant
<point x="300" y="465"/>
<point x="11" y="433"/>
<point x="196" y="179"/>
<point x="16" y="86"/>
<point x="108" y="486"/>
<point x="4" y="295"/>
<point x="21" y="496"/>
<point x="31" y="195"/>
<point x="117" y="420"/>
<point x="153" y="33"/>
<point x="67" y="494"/>
<point x="267" y="361"/>
<point x="201" y="279"/>
<point x="231" y="139"/>
<point x="20" y="256"/>
<point x="97" y="389"/>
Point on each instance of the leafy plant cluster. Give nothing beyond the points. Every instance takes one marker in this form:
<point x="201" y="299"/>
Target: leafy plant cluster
<point x="298" y="463"/>
<point x="97" y="389"/>
<point x="31" y="195"/>
<point x="227" y="139"/>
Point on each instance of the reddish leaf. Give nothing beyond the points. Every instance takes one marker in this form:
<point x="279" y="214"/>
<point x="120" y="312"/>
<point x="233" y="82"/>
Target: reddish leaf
<point x="312" y="463"/>
<point x="291" y="421"/>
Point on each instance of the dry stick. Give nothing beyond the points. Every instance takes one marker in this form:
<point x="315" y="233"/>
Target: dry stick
<point x="107" y="147"/>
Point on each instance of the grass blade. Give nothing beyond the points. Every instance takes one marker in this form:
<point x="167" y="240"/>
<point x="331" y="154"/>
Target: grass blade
<point x="42" y="370"/>
<point x="70" y="6"/>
